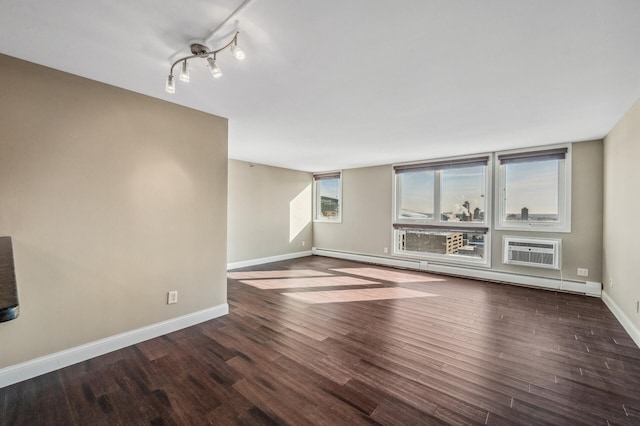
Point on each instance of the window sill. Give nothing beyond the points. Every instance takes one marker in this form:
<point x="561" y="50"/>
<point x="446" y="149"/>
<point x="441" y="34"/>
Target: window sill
<point x="471" y="226"/>
<point x="535" y="227"/>
<point x="326" y="221"/>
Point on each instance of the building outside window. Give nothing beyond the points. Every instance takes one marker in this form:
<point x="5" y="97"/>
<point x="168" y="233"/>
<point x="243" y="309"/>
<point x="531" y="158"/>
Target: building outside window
<point x="535" y="190"/>
<point x="327" y="188"/>
<point x="441" y="210"/>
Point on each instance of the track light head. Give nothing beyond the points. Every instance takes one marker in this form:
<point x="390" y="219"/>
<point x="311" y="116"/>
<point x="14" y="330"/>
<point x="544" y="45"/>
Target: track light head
<point x="170" y="86"/>
<point x="237" y="53"/>
<point x="216" y="72"/>
<point x="201" y="51"/>
<point x="184" y="72"/>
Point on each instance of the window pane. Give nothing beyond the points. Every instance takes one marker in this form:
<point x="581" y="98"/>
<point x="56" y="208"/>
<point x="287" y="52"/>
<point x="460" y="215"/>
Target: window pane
<point x="445" y="242"/>
<point x="328" y="193"/>
<point x="462" y="197"/>
<point x="415" y="194"/>
<point x="531" y="191"/>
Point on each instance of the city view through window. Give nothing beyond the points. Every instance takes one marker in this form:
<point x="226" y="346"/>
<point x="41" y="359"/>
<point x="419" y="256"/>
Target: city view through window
<point x="462" y="197"/>
<point x="531" y="191"/>
<point x="453" y="193"/>
<point x="446" y="242"/>
<point x="435" y="202"/>
<point x="328" y="191"/>
<point x="415" y="193"/>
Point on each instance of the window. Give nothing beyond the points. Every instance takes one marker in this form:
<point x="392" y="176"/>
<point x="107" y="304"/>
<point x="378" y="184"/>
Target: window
<point x="462" y="193"/>
<point x="466" y="245"/>
<point x="415" y="189"/>
<point x="535" y="190"/>
<point x="441" y="209"/>
<point x="444" y="192"/>
<point x="327" y="190"/>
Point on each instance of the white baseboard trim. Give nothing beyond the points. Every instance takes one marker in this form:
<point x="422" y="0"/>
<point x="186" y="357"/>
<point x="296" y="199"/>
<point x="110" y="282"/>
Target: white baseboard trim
<point x="588" y="288"/>
<point x="46" y="364"/>
<point x="633" y="331"/>
<point x="263" y="260"/>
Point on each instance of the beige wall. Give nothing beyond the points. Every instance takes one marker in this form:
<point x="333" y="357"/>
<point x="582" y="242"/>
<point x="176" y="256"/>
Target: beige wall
<point x="367" y="211"/>
<point x="366" y="214"/>
<point x="269" y="211"/>
<point x="112" y="199"/>
<point x="622" y="204"/>
<point x="582" y="248"/>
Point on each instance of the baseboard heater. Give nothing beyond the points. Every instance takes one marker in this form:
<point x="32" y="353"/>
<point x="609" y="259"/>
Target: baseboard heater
<point x="589" y="288"/>
<point x="366" y="258"/>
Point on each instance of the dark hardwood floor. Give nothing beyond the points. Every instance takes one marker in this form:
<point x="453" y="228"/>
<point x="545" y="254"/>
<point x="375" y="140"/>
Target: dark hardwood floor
<point x="466" y="353"/>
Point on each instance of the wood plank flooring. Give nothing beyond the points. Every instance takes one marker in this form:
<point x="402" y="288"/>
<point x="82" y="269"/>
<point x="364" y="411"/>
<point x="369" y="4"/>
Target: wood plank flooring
<point x="472" y="353"/>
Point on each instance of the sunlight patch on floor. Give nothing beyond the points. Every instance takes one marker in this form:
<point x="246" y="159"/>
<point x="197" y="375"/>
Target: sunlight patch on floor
<point x="270" y="284"/>
<point x="392" y="276"/>
<point x="359" y="295"/>
<point x="293" y="273"/>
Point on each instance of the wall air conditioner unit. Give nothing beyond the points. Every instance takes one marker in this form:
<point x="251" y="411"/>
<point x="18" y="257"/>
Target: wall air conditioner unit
<point x="536" y="252"/>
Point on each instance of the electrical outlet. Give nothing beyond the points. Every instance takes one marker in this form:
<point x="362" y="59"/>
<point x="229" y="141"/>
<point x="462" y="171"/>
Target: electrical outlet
<point x="386" y="250"/>
<point x="583" y="272"/>
<point x="172" y="297"/>
<point x="303" y="244"/>
<point x="610" y="281"/>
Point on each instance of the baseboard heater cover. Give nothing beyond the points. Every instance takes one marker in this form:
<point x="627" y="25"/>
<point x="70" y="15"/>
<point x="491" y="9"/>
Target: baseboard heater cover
<point x="365" y="258"/>
<point x="589" y="288"/>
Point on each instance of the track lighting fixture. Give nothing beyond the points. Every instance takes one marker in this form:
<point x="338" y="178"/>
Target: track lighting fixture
<point x="237" y="52"/>
<point x="202" y="51"/>
<point x="170" y="87"/>
<point x="184" y="72"/>
<point x="216" y="72"/>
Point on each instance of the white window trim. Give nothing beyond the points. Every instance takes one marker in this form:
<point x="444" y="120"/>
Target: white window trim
<point x="447" y="258"/>
<point x="564" y="196"/>
<point x="436" y="196"/>
<point x="438" y="258"/>
<point x="315" y="199"/>
<point x="396" y="203"/>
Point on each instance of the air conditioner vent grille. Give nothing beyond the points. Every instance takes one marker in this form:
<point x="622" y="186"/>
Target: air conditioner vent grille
<point x="530" y="244"/>
<point x="532" y="252"/>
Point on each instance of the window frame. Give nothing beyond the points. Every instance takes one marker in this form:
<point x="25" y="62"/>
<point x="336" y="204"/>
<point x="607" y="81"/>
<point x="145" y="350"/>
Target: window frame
<point x="455" y="259"/>
<point x="563" y="225"/>
<point x="317" y="177"/>
<point x="396" y="203"/>
<point x="439" y="165"/>
<point x="437" y="224"/>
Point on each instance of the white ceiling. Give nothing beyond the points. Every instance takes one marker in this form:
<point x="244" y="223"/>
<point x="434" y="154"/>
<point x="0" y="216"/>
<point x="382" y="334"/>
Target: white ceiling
<point x="336" y="84"/>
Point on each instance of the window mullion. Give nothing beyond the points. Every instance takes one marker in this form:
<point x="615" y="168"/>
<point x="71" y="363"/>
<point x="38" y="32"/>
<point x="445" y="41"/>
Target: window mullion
<point x="437" y="216"/>
<point x="561" y="193"/>
<point x="398" y="191"/>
